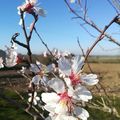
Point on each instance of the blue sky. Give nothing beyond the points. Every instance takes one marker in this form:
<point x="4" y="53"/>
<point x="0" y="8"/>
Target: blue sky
<point x="57" y="29"/>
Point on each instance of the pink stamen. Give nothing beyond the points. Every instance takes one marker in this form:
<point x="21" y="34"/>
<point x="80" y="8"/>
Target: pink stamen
<point x="28" y="8"/>
<point x="65" y="98"/>
<point x="75" y="79"/>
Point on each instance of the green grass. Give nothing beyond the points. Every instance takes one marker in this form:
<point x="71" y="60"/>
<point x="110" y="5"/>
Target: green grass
<point x="96" y="114"/>
<point x="9" y="111"/>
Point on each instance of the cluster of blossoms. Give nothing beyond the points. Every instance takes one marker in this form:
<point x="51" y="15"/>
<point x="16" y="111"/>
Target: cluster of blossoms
<point x="31" y="7"/>
<point x="68" y="89"/>
<point x="57" y="53"/>
<point x="11" y="57"/>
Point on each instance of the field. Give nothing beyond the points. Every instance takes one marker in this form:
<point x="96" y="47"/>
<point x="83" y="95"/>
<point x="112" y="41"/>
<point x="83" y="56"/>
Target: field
<point x="107" y="68"/>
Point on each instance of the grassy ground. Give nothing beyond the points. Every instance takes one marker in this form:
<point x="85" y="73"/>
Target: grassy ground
<point x="9" y="111"/>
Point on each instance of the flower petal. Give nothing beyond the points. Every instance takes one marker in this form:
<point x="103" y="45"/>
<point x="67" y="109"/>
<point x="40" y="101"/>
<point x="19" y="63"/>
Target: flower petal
<point x="81" y="93"/>
<point x="46" y="97"/>
<point x="78" y="63"/>
<point x="81" y="113"/>
<point x="36" y="79"/>
<point x="64" y="65"/>
<point x="57" y="84"/>
<point x="34" y="102"/>
<point x="90" y="79"/>
<point x="61" y="108"/>
<point x="37" y="98"/>
<point x="50" y="108"/>
<point x="65" y="117"/>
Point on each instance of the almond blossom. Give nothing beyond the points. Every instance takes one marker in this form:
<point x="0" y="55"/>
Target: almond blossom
<point x="62" y="103"/>
<point x="41" y="72"/>
<point x="31" y="7"/>
<point x="72" y="72"/>
<point x="35" y="98"/>
<point x="11" y="56"/>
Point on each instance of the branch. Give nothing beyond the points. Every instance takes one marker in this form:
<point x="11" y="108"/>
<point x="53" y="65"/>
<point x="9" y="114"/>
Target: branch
<point x="100" y="37"/>
<point x="32" y="27"/>
<point x="23" y="25"/>
<point x="44" y="43"/>
<point x="16" y="41"/>
<point x="92" y="24"/>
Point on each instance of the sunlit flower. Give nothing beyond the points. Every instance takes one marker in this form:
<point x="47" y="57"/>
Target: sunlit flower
<point x="31" y="7"/>
<point x="72" y="72"/>
<point x="35" y="98"/>
<point x="41" y="73"/>
<point x="11" y="56"/>
<point x="63" y="102"/>
<point x="1" y="62"/>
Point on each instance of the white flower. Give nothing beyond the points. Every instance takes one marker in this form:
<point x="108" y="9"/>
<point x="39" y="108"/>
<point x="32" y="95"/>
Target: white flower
<point x="1" y="62"/>
<point x="63" y="102"/>
<point x="11" y="56"/>
<point x="73" y="71"/>
<point x="35" y="98"/>
<point x="31" y="7"/>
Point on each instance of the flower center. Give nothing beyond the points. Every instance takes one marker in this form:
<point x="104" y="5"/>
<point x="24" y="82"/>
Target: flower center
<point x="66" y="100"/>
<point x="28" y="8"/>
<point x="75" y="79"/>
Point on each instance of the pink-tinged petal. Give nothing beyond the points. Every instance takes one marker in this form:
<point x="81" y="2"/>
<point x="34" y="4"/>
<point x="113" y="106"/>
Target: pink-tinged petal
<point x="90" y="79"/>
<point x="81" y="93"/>
<point x="50" y="97"/>
<point x="81" y="113"/>
<point x="64" y="65"/>
<point x="78" y="63"/>
<point x="57" y="84"/>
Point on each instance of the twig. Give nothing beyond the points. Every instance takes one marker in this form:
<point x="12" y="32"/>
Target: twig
<point x="16" y="41"/>
<point x="101" y="36"/>
<point x="92" y="24"/>
<point x="44" y="44"/>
